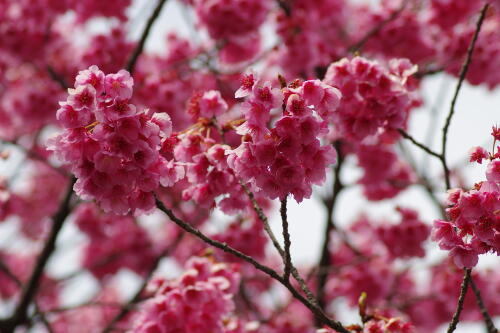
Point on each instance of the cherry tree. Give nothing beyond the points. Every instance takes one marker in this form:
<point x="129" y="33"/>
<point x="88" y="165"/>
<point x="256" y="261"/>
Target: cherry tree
<point x="140" y="160"/>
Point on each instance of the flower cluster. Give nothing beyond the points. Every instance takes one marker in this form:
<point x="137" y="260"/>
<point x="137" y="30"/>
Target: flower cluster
<point x="235" y="23"/>
<point x="482" y="69"/>
<point x="91" y="318"/>
<point x="20" y="265"/>
<point x="406" y="238"/>
<point x="111" y="147"/>
<point x="208" y="173"/>
<point x="231" y="18"/>
<point x="246" y="236"/>
<point x="289" y="157"/>
<point x="28" y="100"/>
<point x="114" y="242"/>
<point x="385" y="175"/>
<point x="35" y="204"/>
<point x="169" y="89"/>
<point x="375" y="99"/>
<point x="198" y="301"/>
<point x="311" y="35"/>
<point x="90" y="8"/>
<point x="109" y="50"/>
<point x="473" y="225"/>
<point x="405" y="36"/>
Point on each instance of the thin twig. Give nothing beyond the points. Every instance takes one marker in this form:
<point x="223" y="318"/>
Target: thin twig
<point x="463" y="73"/>
<point x="265" y="269"/>
<point x="263" y="218"/>
<point x="270" y="233"/>
<point x="418" y="144"/>
<point x="140" y="46"/>
<point x="461" y="298"/>
<point x="490" y="326"/>
<point x="286" y="237"/>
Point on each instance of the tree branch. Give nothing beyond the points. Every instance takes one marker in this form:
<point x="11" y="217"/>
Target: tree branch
<point x="285" y="6"/>
<point x="418" y="144"/>
<point x="460" y="304"/>
<point x="140" y="46"/>
<point x="463" y="73"/>
<point x="490" y="326"/>
<point x="318" y="312"/>
<point x="10" y="275"/>
<point x="270" y="233"/>
<point x="325" y="262"/>
<point x="286" y="237"/>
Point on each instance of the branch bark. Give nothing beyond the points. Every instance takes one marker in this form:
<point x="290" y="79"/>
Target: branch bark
<point x="490" y="326"/>
<point x="286" y="237"/>
<point x="460" y="304"/>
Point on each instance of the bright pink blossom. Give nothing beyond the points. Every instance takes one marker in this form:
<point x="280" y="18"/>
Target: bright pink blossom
<point x="375" y="99"/>
<point x="113" y="148"/>
<point x="196" y="302"/>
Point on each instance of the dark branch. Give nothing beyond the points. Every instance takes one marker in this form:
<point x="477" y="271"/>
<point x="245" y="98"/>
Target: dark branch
<point x="263" y="218"/>
<point x="418" y="144"/>
<point x="463" y="73"/>
<point x="285" y="6"/>
<point x="461" y="298"/>
<point x="10" y="275"/>
<point x="140" y="46"/>
<point x="325" y="262"/>
<point x="490" y="326"/>
<point x="270" y="233"/>
<point x="286" y="237"/>
<point x="265" y="269"/>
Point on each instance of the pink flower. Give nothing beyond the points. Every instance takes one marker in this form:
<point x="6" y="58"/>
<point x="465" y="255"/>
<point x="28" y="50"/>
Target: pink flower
<point x="117" y="158"/>
<point x="477" y="154"/>
<point x="375" y="100"/>
<point x="212" y="104"/>
<point x="119" y="85"/>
